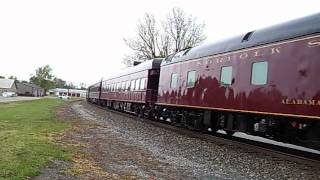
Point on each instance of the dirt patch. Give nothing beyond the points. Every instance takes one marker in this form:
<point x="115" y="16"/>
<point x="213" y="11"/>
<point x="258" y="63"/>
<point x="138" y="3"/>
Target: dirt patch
<point x="99" y="153"/>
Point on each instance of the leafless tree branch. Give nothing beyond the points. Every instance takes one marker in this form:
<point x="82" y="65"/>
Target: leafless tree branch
<point x="179" y="31"/>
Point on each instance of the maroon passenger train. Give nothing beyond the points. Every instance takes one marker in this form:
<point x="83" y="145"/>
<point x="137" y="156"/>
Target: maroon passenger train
<point x="265" y="83"/>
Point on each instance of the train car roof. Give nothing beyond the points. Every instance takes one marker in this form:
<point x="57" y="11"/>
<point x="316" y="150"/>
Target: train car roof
<point x="147" y="65"/>
<point x="94" y="85"/>
<point x="295" y="28"/>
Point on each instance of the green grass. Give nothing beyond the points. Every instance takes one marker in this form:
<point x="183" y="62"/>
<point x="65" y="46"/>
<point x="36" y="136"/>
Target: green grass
<point x="25" y="143"/>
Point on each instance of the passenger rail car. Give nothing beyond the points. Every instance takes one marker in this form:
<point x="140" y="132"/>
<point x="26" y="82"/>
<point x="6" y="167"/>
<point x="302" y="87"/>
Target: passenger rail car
<point x="93" y="94"/>
<point x="134" y="89"/>
<point x="265" y="82"/>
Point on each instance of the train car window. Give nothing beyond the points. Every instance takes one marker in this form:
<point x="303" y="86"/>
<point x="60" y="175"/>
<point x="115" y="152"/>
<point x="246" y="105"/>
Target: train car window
<point x="114" y="86"/>
<point x="226" y="75"/>
<point x="137" y="84"/>
<point x="247" y="36"/>
<point x="142" y="83"/>
<point x="191" y="79"/>
<point x="186" y="51"/>
<point x="128" y="85"/>
<point x="259" y="73"/>
<point x="133" y="83"/>
<point x="145" y="83"/>
<point x="174" y="80"/>
<point x="118" y="86"/>
<point x="123" y="85"/>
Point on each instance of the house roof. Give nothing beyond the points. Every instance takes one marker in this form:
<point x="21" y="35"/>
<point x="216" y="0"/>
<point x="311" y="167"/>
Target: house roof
<point x="21" y="85"/>
<point x="6" y="83"/>
<point x="32" y="85"/>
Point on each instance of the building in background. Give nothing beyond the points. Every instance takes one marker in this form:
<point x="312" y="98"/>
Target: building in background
<point x="7" y="85"/>
<point x="28" y="89"/>
<point x="68" y="92"/>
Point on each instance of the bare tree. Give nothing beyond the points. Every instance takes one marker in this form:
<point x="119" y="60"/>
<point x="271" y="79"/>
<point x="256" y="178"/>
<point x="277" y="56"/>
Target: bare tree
<point x="145" y="44"/>
<point x="135" y="56"/>
<point x="183" y="29"/>
<point x="179" y="31"/>
<point x="164" y="45"/>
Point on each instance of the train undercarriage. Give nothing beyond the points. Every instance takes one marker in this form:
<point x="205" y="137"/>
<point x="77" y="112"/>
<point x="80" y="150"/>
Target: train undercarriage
<point x="284" y="129"/>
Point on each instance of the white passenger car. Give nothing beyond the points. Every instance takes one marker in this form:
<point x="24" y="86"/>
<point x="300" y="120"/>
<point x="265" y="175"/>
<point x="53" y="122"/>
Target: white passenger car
<point x="9" y="94"/>
<point x="64" y="96"/>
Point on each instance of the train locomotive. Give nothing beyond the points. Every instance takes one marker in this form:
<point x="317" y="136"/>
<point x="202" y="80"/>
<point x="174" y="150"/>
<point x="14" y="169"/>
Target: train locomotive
<point x="264" y="83"/>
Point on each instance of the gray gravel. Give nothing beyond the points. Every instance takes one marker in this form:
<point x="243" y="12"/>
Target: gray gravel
<point x="183" y="157"/>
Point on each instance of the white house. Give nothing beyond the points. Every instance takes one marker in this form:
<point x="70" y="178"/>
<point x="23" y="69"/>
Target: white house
<point x="7" y="85"/>
<point x="69" y="92"/>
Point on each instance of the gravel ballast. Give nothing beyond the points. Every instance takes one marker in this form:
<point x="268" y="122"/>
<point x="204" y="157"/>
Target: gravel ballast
<point x="127" y="148"/>
<point x="188" y="157"/>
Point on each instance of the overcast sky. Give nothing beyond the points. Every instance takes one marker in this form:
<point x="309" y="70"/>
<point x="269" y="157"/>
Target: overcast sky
<point x="83" y="40"/>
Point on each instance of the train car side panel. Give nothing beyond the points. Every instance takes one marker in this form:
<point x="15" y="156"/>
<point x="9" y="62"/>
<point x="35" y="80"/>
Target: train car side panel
<point x="291" y="85"/>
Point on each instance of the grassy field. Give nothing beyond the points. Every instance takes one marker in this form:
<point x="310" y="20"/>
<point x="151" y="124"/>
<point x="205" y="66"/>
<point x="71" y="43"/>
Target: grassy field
<point x="25" y="143"/>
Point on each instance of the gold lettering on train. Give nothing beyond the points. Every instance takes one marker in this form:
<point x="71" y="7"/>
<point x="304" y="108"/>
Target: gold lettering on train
<point x="275" y="50"/>
<point x="293" y="101"/>
<point x="237" y="56"/>
<point x="219" y="60"/>
<point x="310" y="102"/>
<point x="298" y="101"/>
<point x="257" y="53"/>
<point x="205" y="61"/>
<point x="243" y="56"/>
<point x="314" y="43"/>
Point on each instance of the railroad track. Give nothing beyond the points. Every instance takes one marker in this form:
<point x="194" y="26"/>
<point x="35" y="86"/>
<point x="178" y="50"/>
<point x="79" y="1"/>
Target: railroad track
<point x="277" y="153"/>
